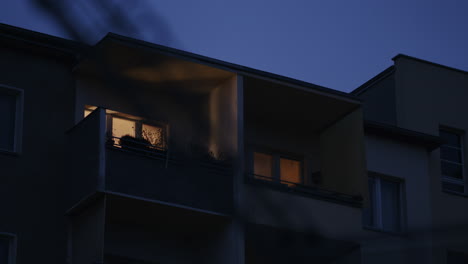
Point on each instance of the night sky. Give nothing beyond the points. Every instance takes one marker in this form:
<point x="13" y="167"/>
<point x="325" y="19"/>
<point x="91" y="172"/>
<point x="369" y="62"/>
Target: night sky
<point x="336" y="44"/>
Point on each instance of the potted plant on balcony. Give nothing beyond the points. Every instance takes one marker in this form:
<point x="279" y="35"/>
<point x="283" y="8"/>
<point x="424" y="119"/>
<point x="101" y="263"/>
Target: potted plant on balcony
<point x="128" y="142"/>
<point x="142" y="146"/>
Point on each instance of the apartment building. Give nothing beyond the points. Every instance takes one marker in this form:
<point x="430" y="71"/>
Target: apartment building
<point x="132" y="152"/>
<point x="423" y="97"/>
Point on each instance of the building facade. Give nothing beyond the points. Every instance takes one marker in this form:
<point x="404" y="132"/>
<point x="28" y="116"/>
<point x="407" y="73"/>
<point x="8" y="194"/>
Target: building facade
<point x="131" y="152"/>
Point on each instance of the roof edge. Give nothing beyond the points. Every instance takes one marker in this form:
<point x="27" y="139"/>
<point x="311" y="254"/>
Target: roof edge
<point x="228" y="66"/>
<point x="365" y="86"/>
<point x="398" y="56"/>
<point x="42" y="40"/>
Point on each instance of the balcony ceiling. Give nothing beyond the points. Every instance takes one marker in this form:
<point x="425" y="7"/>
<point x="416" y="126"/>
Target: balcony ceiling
<point x="151" y="69"/>
<point x="276" y="105"/>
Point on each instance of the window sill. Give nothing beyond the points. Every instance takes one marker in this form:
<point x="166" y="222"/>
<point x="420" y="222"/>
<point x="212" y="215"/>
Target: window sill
<point x="455" y="193"/>
<point x="388" y="232"/>
<point x="305" y="191"/>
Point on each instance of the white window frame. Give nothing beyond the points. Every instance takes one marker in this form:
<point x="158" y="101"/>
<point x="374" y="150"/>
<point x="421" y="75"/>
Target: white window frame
<point x="377" y="214"/>
<point x="12" y="238"/>
<point x="18" y="129"/>
<point x="452" y="180"/>
<point x="276" y="170"/>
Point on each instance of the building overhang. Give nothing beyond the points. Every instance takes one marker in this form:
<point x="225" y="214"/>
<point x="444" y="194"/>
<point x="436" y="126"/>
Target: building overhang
<point x="430" y="142"/>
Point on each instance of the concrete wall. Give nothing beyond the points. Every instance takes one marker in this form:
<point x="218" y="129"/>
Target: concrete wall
<point x="157" y="233"/>
<point x="87" y="234"/>
<point x="379" y="101"/>
<point x="429" y="96"/>
<point x="385" y="157"/>
<point x="31" y="183"/>
<point x="86" y="157"/>
<point x="301" y="213"/>
<point x="186" y="184"/>
<point x="342" y="155"/>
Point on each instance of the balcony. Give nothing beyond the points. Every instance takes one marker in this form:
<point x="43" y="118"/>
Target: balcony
<point x="304" y="156"/>
<point x="122" y="165"/>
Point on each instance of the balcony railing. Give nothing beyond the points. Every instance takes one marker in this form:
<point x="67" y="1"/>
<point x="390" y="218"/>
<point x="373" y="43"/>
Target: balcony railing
<point x="310" y="190"/>
<point x="137" y="146"/>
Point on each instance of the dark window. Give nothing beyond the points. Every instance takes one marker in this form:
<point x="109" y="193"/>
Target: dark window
<point x="6" y="249"/>
<point x="7" y="120"/>
<point x="451" y="161"/>
<point x="385" y="210"/>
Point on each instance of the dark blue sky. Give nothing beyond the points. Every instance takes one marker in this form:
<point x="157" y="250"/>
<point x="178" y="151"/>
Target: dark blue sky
<point x="337" y="44"/>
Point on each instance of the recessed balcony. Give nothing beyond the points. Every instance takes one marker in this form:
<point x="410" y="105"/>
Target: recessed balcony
<point x="130" y="157"/>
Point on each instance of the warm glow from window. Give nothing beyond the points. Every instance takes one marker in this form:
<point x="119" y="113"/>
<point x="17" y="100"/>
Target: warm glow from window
<point x="87" y="112"/>
<point x="153" y="134"/>
<point x="290" y="171"/>
<point x="122" y="127"/>
<point x="263" y="164"/>
<point x="142" y="135"/>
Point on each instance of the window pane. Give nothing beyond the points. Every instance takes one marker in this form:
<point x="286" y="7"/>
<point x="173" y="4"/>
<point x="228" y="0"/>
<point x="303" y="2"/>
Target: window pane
<point x="122" y="127"/>
<point x="263" y="164"/>
<point x="451" y="170"/>
<point x="153" y="134"/>
<point x="4" y="249"/>
<point x="452" y="139"/>
<point x="450" y="154"/>
<point x="7" y="121"/>
<point x="290" y="171"/>
<point x="390" y="205"/>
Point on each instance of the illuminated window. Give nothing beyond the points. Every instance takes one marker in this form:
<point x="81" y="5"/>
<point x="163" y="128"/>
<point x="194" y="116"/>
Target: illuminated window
<point x="275" y="167"/>
<point x="132" y="132"/>
<point x="10" y="118"/>
<point x="263" y="165"/>
<point x="123" y="127"/>
<point x="451" y="161"/>
<point x="135" y="132"/>
<point x="290" y="170"/>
